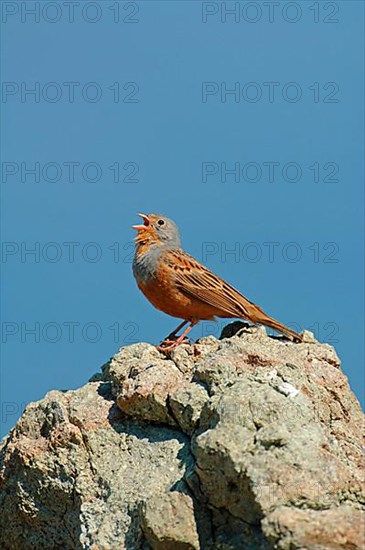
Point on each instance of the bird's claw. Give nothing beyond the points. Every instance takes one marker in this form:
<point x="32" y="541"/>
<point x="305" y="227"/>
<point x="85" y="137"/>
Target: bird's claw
<point x="169" y="344"/>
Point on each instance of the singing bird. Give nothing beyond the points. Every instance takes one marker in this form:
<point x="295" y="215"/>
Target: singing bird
<point x="177" y="284"/>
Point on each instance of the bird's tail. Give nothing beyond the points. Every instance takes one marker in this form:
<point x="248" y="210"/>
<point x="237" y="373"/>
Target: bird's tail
<point x="258" y="316"/>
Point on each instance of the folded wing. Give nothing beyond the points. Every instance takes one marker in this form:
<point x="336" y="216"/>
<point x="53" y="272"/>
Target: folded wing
<point x="195" y="280"/>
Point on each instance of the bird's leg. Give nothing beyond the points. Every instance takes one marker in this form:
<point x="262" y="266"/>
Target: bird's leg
<point x="172" y="335"/>
<point x="170" y="345"/>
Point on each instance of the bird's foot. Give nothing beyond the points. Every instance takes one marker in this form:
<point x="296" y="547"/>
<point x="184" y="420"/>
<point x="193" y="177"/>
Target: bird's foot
<point x="170" y="344"/>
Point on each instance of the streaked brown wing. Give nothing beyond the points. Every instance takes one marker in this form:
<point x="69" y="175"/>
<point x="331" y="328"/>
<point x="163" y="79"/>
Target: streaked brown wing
<point x="195" y="280"/>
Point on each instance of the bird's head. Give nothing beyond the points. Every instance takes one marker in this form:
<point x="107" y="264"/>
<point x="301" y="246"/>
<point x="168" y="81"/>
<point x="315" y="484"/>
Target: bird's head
<point x="157" y="229"/>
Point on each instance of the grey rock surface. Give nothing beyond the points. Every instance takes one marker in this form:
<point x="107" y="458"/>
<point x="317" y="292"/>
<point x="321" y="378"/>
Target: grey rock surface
<point x="180" y="532"/>
<point x="247" y="442"/>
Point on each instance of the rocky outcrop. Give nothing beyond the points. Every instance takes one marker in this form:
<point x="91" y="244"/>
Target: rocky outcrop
<point x="247" y="442"/>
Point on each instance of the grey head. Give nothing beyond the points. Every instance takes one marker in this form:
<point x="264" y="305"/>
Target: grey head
<point x="166" y="230"/>
<point x="160" y="234"/>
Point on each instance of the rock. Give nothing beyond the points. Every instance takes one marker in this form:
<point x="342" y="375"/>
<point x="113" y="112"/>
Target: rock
<point x="74" y="472"/>
<point x="339" y="528"/>
<point x="187" y="404"/>
<point x="168" y="522"/>
<point x="246" y="442"/>
<point x="144" y="395"/>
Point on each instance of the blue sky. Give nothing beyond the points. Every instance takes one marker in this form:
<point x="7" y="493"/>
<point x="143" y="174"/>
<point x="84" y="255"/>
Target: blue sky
<point x="246" y="128"/>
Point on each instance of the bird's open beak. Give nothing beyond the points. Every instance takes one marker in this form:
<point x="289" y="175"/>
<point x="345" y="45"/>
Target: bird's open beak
<point x="146" y="222"/>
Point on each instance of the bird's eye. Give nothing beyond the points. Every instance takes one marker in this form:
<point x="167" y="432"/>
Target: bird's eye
<point x="161" y="222"/>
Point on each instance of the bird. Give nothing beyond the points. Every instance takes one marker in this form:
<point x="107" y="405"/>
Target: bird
<point x="179" y="285"/>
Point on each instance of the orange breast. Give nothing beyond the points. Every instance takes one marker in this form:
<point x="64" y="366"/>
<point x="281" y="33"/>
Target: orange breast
<point x="165" y="296"/>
